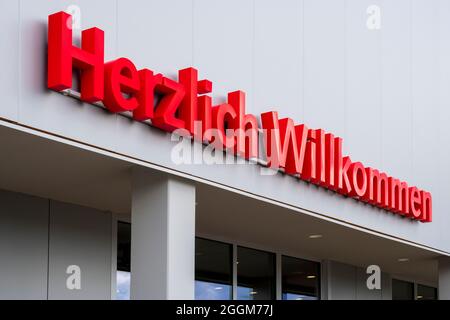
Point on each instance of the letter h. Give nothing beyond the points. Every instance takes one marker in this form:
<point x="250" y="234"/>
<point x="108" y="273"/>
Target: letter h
<point x="63" y="56"/>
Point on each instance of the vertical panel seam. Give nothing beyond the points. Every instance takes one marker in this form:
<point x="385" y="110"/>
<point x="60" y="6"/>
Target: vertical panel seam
<point x="381" y="90"/>
<point x="117" y="27"/>
<point x="193" y="32"/>
<point x="253" y="95"/>
<point x="303" y="61"/>
<point x="113" y="256"/>
<point x="411" y="85"/>
<point x="48" y="247"/>
<point x="19" y="45"/>
<point x="166" y="220"/>
<point x="234" y="282"/>
<point x="345" y="85"/>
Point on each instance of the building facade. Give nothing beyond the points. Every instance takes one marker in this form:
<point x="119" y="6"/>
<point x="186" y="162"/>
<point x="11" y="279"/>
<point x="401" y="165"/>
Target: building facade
<point x="102" y="198"/>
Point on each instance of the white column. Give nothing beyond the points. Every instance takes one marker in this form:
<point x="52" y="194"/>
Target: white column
<point x="444" y="278"/>
<point x="162" y="236"/>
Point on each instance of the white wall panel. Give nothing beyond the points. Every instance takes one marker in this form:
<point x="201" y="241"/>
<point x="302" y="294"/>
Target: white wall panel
<point x="278" y="58"/>
<point x="442" y="120"/>
<point x="9" y="56"/>
<point x="425" y="106"/>
<point x="396" y="122"/>
<point x="362" y="85"/>
<point x="223" y="45"/>
<point x="156" y="34"/>
<point x="324" y="57"/>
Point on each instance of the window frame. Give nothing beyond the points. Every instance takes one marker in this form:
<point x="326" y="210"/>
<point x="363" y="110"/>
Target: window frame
<point x="278" y="263"/>
<point x="231" y="262"/>
<point x="319" y="274"/>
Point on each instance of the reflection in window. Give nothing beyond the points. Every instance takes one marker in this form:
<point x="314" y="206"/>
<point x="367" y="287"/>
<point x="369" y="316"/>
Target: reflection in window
<point x="123" y="285"/>
<point x="123" y="261"/>
<point x="212" y="291"/>
<point x="255" y="274"/>
<point x="300" y="279"/>
<point x="213" y="270"/>
<point x="402" y="290"/>
<point x="426" y="293"/>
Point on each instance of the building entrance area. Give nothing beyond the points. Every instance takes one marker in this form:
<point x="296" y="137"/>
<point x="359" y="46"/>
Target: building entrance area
<point x="94" y="229"/>
<point x="226" y="271"/>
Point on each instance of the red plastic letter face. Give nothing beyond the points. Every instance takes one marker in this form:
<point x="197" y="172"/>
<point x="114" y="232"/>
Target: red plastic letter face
<point x="245" y="126"/>
<point x="204" y="114"/>
<point x="427" y="209"/>
<point x="345" y="170"/>
<point x="165" y="113"/>
<point x="121" y="77"/>
<point x="286" y="143"/>
<point x="358" y="179"/>
<point x="146" y="94"/>
<point x="63" y="57"/>
<point x="415" y="202"/>
<point x="222" y="116"/>
<point x="188" y="108"/>
<point x="329" y="161"/>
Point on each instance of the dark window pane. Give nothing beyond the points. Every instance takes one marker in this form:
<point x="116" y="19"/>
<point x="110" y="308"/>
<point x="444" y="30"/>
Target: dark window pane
<point x="255" y="274"/>
<point x="301" y="279"/>
<point x="123" y="246"/>
<point x="123" y="261"/>
<point x="402" y="290"/>
<point x="426" y="293"/>
<point x="213" y="270"/>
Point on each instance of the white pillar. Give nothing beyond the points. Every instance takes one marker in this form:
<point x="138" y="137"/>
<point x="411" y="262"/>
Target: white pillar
<point x="444" y="278"/>
<point x="162" y="236"/>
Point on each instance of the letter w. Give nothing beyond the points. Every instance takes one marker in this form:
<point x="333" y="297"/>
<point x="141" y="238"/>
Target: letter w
<point x="285" y="143"/>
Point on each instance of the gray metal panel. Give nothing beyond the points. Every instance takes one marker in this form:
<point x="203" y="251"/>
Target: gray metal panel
<point x="9" y="56"/>
<point x="23" y="246"/>
<point x="386" y="286"/>
<point x="444" y="279"/>
<point x="324" y="279"/>
<point x="342" y="281"/>
<point x="79" y="236"/>
<point x="278" y="58"/>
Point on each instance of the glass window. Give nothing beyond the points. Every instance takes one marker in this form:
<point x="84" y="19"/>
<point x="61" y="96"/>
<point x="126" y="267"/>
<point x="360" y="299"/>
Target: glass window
<point x="123" y="261"/>
<point x="402" y="290"/>
<point x="426" y="293"/>
<point x="255" y="274"/>
<point x="213" y="270"/>
<point x="300" y="279"/>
